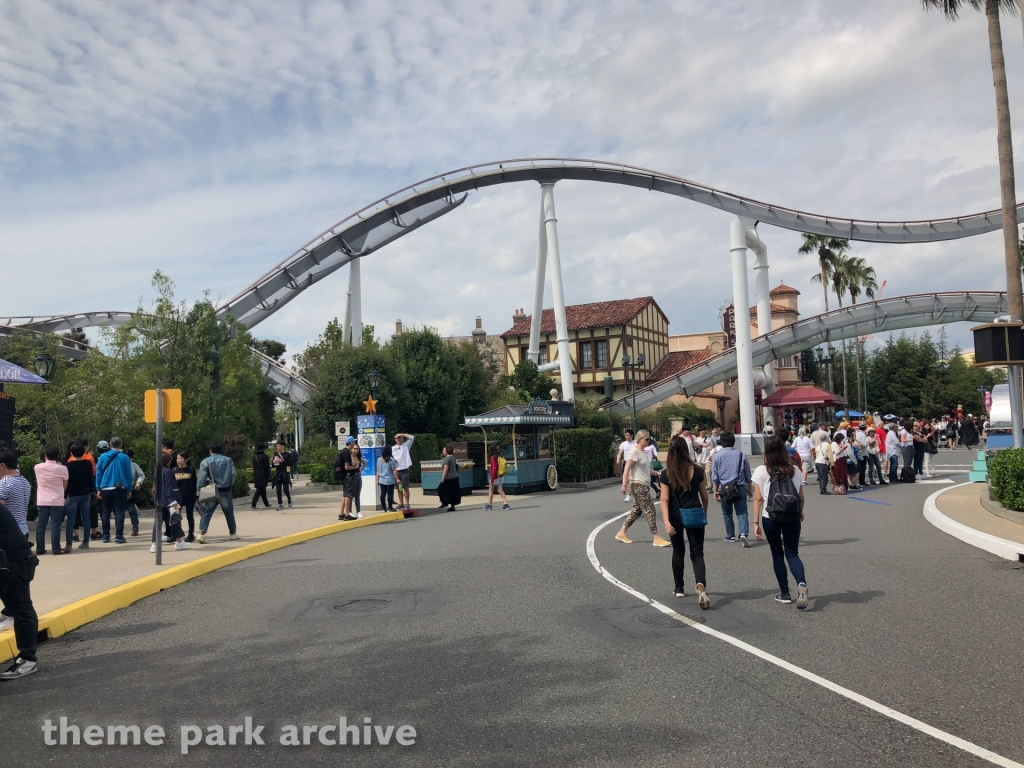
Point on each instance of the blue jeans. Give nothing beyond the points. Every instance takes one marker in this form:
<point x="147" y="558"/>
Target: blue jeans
<point x="47" y="517"/>
<point x="114" y="500"/>
<point x="784" y="542"/>
<point x="227" y="503"/>
<point x="77" y="508"/>
<point x="133" y="515"/>
<point x="874" y="469"/>
<point x="894" y="471"/>
<point x="740" y="507"/>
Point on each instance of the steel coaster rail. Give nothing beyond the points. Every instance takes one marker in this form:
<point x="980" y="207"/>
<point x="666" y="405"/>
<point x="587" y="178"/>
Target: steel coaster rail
<point x="894" y="313"/>
<point x="385" y="220"/>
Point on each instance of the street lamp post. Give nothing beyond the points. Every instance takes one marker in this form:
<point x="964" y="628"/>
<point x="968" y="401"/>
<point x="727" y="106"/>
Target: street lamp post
<point x="374" y="380"/>
<point x="628" y="363"/>
<point x="44" y="365"/>
<point x="864" y="385"/>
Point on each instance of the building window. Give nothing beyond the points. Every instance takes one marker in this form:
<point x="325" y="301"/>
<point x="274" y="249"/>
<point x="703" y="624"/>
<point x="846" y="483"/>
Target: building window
<point x="542" y="358"/>
<point x="601" y="348"/>
<point x="586" y="355"/>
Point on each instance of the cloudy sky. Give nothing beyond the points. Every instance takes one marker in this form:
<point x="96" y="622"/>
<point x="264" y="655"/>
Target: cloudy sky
<point x="210" y="140"/>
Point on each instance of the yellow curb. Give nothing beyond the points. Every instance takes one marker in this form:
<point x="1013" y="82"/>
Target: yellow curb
<point x="69" y="617"/>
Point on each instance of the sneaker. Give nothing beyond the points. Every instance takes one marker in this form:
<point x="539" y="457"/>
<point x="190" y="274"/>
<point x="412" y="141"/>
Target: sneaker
<point x="620" y="536"/>
<point x="190" y="537"/>
<point x="505" y="506"/>
<point x="166" y="539"/>
<point x="744" y="542"/>
<point x="280" y="508"/>
<point x="75" y="537"/>
<point x="152" y="549"/>
<point x="106" y="539"/>
<point x="201" y="538"/>
<point x="289" y="505"/>
<point x="234" y="536"/>
<point x="84" y="545"/>
<point x="135" y="531"/>
<point x="680" y="592"/>
<point x="120" y="540"/>
<point x="826" y="493"/>
<point x="801" y="596"/>
<point x="703" y="600"/>
<point x="20" y="668"/>
<point x="660" y="542"/>
<point x="41" y="552"/>
<point x="488" y="508"/>
<point x="731" y="539"/>
<point x="181" y="545"/>
<point x="786" y="599"/>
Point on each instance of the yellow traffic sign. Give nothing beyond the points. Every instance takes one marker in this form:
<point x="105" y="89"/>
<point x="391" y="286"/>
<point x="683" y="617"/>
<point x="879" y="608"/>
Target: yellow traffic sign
<point x="171" y="405"/>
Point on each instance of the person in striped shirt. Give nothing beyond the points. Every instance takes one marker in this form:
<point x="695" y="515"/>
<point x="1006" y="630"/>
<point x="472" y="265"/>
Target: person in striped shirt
<point x="15" y="490"/>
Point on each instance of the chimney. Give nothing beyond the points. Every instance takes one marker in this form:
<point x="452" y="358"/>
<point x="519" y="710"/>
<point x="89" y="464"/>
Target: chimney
<point x="518" y="316"/>
<point x="398" y="329"/>
<point x="479" y="334"/>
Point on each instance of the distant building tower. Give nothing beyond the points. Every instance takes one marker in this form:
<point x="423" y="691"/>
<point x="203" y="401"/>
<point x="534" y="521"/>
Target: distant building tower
<point x="479" y="334"/>
<point x="398" y="329"/>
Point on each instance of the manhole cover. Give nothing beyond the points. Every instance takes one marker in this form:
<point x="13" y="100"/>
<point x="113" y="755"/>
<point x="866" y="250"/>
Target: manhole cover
<point x="368" y="605"/>
<point x="661" y="620"/>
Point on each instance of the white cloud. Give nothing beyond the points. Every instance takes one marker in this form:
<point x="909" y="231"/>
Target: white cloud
<point x="211" y="140"/>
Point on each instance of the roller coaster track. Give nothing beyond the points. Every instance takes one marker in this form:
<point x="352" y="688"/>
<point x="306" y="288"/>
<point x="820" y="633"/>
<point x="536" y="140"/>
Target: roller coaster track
<point x="890" y="314"/>
<point x="281" y="380"/>
<point x="384" y="221"/>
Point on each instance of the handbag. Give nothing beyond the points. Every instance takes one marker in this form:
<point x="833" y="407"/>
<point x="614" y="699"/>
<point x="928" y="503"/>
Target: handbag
<point x="694" y="518"/>
<point x="209" y="491"/>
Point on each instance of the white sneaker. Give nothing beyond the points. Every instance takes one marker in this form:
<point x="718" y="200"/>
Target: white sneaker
<point x="234" y="536"/>
<point x="166" y="539"/>
<point x="20" y="668"/>
<point x="744" y="542"/>
<point x="181" y="544"/>
<point x="152" y="549"/>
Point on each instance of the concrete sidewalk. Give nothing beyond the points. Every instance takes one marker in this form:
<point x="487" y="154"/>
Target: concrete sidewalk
<point x="959" y="511"/>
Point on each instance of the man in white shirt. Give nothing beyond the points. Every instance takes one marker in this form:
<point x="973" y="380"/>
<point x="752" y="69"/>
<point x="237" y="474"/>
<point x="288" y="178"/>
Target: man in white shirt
<point x="401" y="453"/>
<point x="860" y="437"/>
<point x="625" y="447"/>
<point x="820" y="436"/>
<point x="805" y="450"/>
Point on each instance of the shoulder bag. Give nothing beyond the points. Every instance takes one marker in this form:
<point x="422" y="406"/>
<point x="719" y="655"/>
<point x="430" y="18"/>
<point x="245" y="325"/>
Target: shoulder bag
<point x="209" y="491"/>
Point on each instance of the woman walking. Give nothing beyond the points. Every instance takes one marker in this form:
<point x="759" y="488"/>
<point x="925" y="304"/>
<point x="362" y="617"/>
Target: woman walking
<point x="684" y="510"/>
<point x="637" y="474"/>
<point x="185" y="476"/>
<point x="450" y="490"/>
<point x="387" y="478"/>
<point x="774" y="481"/>
<point x="282" y="480"/>
<point x="823" y="460"/>
<point x="495" y="477"/>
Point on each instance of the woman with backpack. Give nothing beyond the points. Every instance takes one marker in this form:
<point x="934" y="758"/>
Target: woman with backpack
<point x="684" y="510"/>
<point x="779" y="509"/>
<point x="497" y="467"/>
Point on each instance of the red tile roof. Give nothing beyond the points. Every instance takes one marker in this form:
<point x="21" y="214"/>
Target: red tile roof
<point x="675" y="363"/>
<point x="782" y="290"/>
<point x="777" y="309"/>
<point x="602" y="314"/>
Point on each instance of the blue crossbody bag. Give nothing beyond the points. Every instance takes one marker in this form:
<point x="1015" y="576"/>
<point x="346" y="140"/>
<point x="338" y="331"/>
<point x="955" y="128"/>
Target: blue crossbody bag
<point x="694" y="518"/>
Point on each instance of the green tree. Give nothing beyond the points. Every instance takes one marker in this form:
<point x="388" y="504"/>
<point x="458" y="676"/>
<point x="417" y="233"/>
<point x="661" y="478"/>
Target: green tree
<point x="527" y="382"/>
<point x="1007" y="186"/>
<point x="829" y="251"/>
<point x="862" y="279"/>
<point x="309" y="361"/>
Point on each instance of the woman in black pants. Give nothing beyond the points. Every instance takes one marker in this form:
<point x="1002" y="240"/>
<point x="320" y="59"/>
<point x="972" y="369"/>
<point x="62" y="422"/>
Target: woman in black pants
<point x="282" y="480"/>
<point x="684" y="509"/>
<point x="185" y="475"/>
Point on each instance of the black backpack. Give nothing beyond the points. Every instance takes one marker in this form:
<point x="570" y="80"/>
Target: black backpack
<point x="783" y="500"/>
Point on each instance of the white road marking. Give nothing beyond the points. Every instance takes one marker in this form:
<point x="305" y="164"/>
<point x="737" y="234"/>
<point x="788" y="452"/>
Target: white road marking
<point x="914" y="723"/>
<point x="935" y="482"/>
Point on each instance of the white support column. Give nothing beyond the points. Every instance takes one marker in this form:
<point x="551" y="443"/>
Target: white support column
<point x="561" y="327"/>
<point x="762" y="296"/>
<point x="741" y="307"/>
<point x="356" y="302"/>
<point x="1014" y="380"/>
<point x="538" y="289"/>
<point x="346" y="328"/>
<point x="300" y="436"/>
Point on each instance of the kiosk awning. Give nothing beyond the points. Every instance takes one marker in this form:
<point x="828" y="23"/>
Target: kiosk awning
<point x="795" y="397"/>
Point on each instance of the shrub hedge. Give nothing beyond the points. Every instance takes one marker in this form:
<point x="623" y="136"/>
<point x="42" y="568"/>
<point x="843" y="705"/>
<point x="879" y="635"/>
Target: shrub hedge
<point x="424" y="448"/>
<point x="318" y="473"/>
<point x="582" y="455"/>
<point x="1006" y="471"/>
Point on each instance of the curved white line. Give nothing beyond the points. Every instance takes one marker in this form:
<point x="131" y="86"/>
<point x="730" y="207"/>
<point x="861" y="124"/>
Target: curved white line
<point x="881" y="709"/>
<point x="1004" y="548"/>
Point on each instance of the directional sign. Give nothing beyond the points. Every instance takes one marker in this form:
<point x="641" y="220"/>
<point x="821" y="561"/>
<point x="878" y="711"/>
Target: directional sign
<point x="171" y="405"/>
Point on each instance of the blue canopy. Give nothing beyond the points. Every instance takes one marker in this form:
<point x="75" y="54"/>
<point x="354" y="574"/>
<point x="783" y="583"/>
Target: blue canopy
<point x="15" y="374"/>
<point x="853" y="413"/>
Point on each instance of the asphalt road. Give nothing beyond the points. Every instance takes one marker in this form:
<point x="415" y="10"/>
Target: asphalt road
<point x="493" y="635"/>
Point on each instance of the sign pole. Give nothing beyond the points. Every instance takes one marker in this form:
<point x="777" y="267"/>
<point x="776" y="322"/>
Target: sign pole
<point x="158" y="478"/>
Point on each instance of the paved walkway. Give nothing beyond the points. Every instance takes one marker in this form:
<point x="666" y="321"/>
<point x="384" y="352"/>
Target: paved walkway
<point x="963" y="506"/>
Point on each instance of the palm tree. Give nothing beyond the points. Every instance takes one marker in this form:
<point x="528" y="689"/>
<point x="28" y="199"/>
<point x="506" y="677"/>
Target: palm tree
<point x="862" y="280"/>
<point x="829" y="251"/>
<point x="842" y="277"/>
<point x="951" y="10"/>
